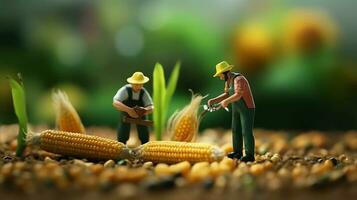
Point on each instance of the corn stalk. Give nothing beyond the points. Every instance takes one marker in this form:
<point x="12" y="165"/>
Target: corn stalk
<point x="162" y="96"/>
<point x="19" y="102"/>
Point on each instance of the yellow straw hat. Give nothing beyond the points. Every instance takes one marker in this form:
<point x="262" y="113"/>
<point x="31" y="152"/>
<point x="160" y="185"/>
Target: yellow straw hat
<point x="138" y="78"/>
<point x="222" y="67"/>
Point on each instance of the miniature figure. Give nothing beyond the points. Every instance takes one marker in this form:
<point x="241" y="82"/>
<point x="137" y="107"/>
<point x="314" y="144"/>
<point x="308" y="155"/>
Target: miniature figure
<point x="135" y="104"/>
<point x="237" y="92"/>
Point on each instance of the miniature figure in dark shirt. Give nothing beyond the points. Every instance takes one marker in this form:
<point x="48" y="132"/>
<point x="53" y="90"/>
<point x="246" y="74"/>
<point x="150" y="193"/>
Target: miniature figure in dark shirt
<point x="135" y="103"/>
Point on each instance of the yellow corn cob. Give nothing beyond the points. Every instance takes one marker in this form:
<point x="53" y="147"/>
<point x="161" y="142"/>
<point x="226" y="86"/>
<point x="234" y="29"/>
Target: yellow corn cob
<point x="184" y="124"/>
<point x="67" y="118"/>
<point x="174" y="152"/>
<point x="79" y="145"/>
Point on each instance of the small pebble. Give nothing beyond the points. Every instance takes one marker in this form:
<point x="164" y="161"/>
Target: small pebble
<point x="221" y="182"/>
<point x="160" y="184"/>
<point x="109" y="164"/>
<point x="275" y="158"/>
<point x="208" y="183"/>
<point x="48" y="159"/>
<point x="334" y="161"/>
<point x="7" y="158"/>
<point x="180" y="182"/>
<point x="123" y="162"/>
<point x="127" y="190"/>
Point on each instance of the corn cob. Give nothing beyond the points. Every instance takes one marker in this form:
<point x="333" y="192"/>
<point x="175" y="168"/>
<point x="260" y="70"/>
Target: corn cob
<point x="184" y="124"/>
<point x="174" y="152"/>
<point x="67" y="118"/>
<point x="79" y="145"/>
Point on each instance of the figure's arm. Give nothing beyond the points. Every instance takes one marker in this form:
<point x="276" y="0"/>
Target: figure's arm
<point x="238" y="93"/>
<point x="218" y="99"/>
<point x="119" y="97"/>
<point x="121" y="107"/>
<point x="149" y="109"/>
<point x="235" y="97"/>
<point x="124" y="108"/>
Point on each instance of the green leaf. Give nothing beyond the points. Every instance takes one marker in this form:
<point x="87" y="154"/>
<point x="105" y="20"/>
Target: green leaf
<point x="19" y="101"/>
<point x="159" y="97"/>
<point x="163" y="96"/>
<point x="171" y="87"/>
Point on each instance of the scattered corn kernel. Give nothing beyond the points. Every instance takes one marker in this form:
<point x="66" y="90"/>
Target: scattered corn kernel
<point x="126" y="174"/>
<point x="162" y="169"/>
<point x="148" y="165"/>
<point x="227" y="148"/>
<point x="182" y="167"/>
<point x="257" y="169"/>
<point x="199" y="172"/>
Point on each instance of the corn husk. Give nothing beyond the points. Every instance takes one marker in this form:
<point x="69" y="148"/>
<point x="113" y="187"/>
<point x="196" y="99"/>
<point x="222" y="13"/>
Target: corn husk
<point x="67" y="118"/>
<point x="183" y="125"/>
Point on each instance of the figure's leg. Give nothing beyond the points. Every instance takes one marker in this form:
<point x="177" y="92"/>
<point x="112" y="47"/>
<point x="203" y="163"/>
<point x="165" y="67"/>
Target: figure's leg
<point x="143" y="132"/>
<point x="123" y="131"/>
<point x="237" y="138"/>
<point x="247" y="118"/>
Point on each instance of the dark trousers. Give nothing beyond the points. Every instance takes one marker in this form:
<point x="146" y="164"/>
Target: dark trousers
<point x="124" y="132"/>
<point x="242" y="127"/>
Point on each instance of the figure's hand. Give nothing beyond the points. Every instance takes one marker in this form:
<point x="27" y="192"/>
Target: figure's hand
<point x="132" y="113"/>
<point x="141" y="111"/>
<point x="146" y="111"/>
<point x="224" y="103"/>
<point x="210" y="102"/>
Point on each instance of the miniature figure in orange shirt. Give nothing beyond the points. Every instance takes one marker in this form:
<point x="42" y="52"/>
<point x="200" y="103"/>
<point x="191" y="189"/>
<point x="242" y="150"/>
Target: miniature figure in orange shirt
<point x="237" y="92"/>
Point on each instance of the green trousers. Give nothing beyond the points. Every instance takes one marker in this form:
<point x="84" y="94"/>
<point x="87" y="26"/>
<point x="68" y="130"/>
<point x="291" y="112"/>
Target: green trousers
<point x="242" y="127"/>
<point x="124" y="131"/>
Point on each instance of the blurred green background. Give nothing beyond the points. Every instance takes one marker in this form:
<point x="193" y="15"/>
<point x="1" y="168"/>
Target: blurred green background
<point x="299" y="56"/>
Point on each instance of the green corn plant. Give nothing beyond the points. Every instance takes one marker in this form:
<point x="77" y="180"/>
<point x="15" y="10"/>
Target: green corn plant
<point x="163" y="95"/>
<point x="19" y="102"/>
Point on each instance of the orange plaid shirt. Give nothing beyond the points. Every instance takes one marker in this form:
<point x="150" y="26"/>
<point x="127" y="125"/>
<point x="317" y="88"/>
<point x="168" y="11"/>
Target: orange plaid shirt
<point x="242" y="88"/>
